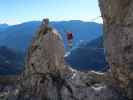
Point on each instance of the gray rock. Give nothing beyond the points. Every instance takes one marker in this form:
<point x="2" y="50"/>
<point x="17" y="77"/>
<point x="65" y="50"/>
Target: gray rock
<point x="118" y="25"/>
<point x="47" y="77"/>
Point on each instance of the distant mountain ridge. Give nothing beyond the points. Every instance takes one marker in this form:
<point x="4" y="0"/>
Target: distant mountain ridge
<point x="11" y="62"/>
<point x="83" y="58"/>
<point x="96" y="43"/>
<point x="82" y="30"/>
<point x="20" y="36"/>
<point x="3" y="26"/>
<point x="88" y="56"/>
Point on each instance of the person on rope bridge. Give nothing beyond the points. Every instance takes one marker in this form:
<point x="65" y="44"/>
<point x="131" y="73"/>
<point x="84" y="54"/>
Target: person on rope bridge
<point x="69" y="39"/>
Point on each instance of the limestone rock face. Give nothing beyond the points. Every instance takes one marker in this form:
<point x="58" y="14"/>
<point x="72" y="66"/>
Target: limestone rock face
<point x="48" y="77"/>
<point x="118" y="25"/>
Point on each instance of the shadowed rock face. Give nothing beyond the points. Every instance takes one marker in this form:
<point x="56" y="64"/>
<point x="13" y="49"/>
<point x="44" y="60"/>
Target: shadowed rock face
<point x="47" y="77"/>
<point x="118" y="26"/>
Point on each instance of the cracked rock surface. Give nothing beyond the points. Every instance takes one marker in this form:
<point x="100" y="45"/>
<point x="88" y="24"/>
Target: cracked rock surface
<point x="118" y="26"/>
<point x="48" y="77"/>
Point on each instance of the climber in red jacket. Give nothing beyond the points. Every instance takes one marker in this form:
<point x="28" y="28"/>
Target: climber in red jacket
<point x="70" y="39"/>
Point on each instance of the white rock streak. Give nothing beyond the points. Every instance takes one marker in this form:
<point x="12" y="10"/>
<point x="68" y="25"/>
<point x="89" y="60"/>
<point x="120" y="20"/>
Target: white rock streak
<point x="99" y="73"/>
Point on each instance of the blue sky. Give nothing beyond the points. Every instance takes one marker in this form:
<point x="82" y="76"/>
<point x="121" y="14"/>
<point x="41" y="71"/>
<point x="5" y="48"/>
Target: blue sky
<point x="18" y="11"/>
